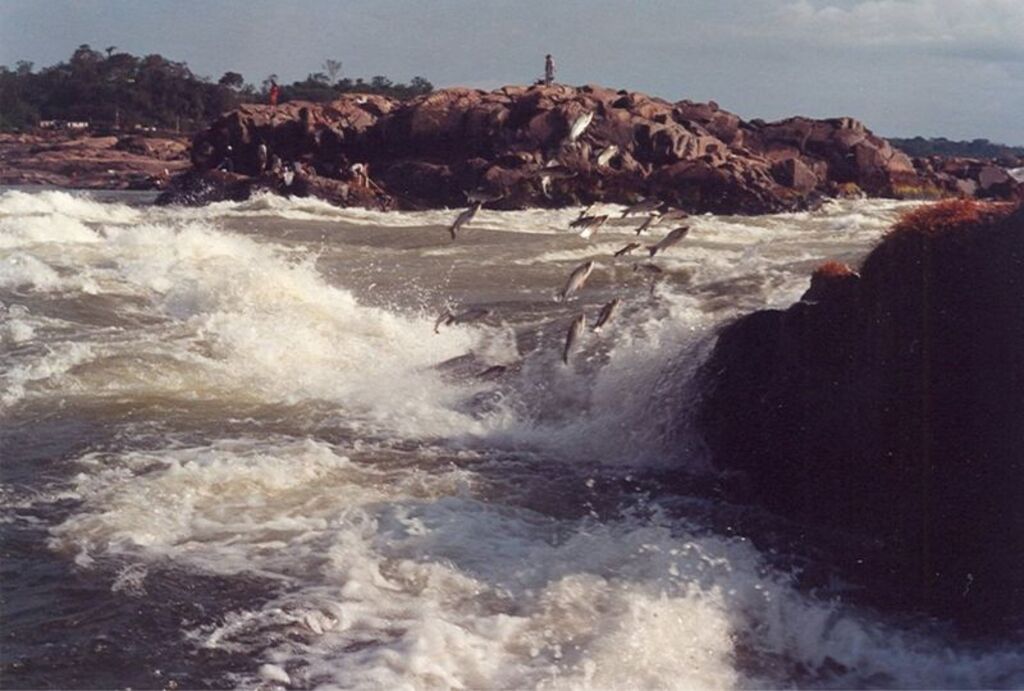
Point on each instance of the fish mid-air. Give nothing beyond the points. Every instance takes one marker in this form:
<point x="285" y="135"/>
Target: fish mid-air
<point x="575" y="331"/>
<point x="553" y="172"/>
<point x="579" y="126"/>
<point x="649" y="222"/>
<point x="627" y="249"/>
<point x="464" y="218"/>
<point x="673" y="215"/>
<point x="448" y="317"/>
<point x="589" y="224"/>
<point x="482" y="196"/>
<point x="576" y="280"/>
<point x="644" y="207"/>
<point x="607" y="312"/>
<point x="669" y="240"/>
<point x="606" y="156"/>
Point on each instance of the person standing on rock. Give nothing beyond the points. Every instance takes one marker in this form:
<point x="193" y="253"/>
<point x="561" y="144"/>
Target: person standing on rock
<point x="549" y="70"/>
<point x="275" y="91"/>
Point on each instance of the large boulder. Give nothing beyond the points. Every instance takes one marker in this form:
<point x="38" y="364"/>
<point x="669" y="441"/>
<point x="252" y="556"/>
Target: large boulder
<point x="693" y="154"/>
<point x="889" y="408"/>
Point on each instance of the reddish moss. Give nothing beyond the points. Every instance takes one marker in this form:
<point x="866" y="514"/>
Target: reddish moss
<point x="833" y="269"/>
<point x="949" y="215"/>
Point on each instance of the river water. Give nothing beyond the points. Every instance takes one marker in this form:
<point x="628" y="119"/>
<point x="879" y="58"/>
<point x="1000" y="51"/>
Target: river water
<point x="235" y="452"/>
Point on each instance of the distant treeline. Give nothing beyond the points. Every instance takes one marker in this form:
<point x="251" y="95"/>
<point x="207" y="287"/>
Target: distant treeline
<point x="109" y="88"/>
<point x="979" y="148"/>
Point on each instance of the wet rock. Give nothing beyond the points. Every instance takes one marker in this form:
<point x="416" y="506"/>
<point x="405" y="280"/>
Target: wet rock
<point x="889" y="408"/>
<point x="695" y="154"/>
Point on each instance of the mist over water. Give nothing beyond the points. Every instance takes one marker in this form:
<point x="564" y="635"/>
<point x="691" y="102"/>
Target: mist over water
<point x="235" y="452"/>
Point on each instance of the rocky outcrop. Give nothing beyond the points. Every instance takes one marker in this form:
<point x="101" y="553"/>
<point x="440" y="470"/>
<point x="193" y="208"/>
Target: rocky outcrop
<point x="889" y="407"/>
<point x="100" y="162"/>
<point x="427" y="151"/>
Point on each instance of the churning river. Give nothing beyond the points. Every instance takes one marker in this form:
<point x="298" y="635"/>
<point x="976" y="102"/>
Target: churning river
<point x="235" y="452"/>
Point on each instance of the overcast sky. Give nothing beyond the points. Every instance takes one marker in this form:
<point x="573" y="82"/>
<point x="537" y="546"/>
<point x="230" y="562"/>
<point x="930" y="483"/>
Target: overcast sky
<point x="952" y="68"/>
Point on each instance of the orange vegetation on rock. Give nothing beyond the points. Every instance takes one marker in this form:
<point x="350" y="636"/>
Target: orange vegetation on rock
<point x="834" y="269"/>
<point x="950" y="215"/>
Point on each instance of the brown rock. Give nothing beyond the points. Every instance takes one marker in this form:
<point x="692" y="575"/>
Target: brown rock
<point x="884" y="414"/>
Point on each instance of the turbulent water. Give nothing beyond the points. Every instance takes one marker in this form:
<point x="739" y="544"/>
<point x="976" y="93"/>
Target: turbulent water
<point x="235" y="452"/>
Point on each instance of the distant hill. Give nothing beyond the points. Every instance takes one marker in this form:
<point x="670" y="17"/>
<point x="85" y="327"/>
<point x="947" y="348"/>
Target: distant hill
<point x="979" y="148"/>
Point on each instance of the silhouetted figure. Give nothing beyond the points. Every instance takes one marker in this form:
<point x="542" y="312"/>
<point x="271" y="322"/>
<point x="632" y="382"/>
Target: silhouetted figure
<point x="275" y="92"/>
<point x="549" y="69"/>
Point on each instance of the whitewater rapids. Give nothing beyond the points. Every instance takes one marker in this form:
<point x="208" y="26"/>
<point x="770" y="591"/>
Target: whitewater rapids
<point x="236" y="453"/>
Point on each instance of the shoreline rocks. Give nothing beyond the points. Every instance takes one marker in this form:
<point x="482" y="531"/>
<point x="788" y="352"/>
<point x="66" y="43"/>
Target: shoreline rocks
<point x="888" y="406"/>
<point x="427" y="151"/>
<point x="125" y="162"/>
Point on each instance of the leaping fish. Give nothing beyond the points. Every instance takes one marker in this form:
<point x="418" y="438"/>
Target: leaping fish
<point x="669" y="240"/>
<point x="445" y="319"/>
<point x="575" y="331"/>
<point x="627" y="249"/>
<point x="607" y="312"/>
<point x="590" y="224"/>
<point x="482" y="196"/>
<point x="649" y="222"/>
<point x="553" y="172"/>
<point x="464" y="218"/>
<point x="648" y="268"/>
<point x="645" y="207"/>
<point x="577" y="278"/>
<point x="471" y="315"/>
<point x="579" y="126"/>
<point x="674" y="215"/>
<point x="605" y="157"/>
<point x="448" y="317"/>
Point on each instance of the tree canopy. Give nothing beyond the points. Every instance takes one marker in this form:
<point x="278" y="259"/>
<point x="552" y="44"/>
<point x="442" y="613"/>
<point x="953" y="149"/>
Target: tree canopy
<point x="110" y="88"/>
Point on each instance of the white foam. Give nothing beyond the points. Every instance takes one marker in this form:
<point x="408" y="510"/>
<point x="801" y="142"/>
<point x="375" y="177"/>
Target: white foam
<point x="30" y="230"/>
<point x="268" y="329"/>
<point x="394" y="579"/>
<point x="402" y="568"/>
<point x="78" y="206"/>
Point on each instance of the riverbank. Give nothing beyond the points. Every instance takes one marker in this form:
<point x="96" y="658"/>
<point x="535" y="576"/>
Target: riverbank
<point x="85" y="161"/>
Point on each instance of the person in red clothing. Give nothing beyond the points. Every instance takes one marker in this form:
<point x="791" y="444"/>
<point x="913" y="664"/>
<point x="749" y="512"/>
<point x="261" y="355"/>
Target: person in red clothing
<point x="275" y="91"/>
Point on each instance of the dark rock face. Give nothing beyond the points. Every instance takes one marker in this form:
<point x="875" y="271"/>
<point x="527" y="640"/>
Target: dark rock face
<point x="890" y="407"/>
<point x="427" y="151"/>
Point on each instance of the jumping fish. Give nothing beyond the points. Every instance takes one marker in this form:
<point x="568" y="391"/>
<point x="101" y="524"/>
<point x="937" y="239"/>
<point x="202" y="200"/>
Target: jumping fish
<point x="482" y="196"/>
<point x="645" y="207"/>
<point x="576" y="280"/>
<point x="627" y="249"/>
<point x="579" y="126"/>
<point x="583" y="220"/>
<point x="674" y="215"/>
<point x="575" y="331"/>
<point x="471" y="315"/>
<point x="606" y="313"/>
<point x="492" y="372"/>
<point x="648" y="268"/>
<point x="553" y="172"/>
<point x="464" y="218"/>
<point x="448" y="317"/>
<point x="590" y="225"/>
<point x="649" y="222"/>
<point x="445" y="319"/>
<point x="605" y="157"/>
<point x="669" y="240"/>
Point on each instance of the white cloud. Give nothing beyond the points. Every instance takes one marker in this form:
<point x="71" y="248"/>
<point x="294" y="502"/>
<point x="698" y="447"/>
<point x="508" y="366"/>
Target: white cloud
<point x="981" y="29"/>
